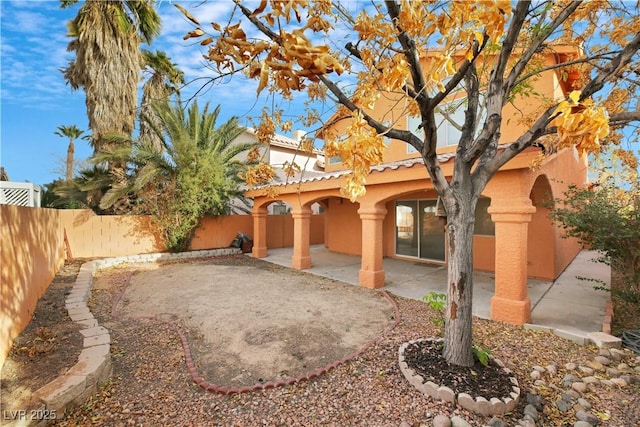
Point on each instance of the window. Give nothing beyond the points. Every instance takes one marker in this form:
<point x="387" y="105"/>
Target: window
<point x="484" y="226"/>
<point x="337" y="159"/>
<point x="449" y="118"/>
<point x="385" y="138"/>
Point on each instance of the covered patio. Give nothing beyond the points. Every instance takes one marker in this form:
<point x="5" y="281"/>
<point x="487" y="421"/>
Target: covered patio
<point x="567" y="304"/>
<point x="515" y="238"/>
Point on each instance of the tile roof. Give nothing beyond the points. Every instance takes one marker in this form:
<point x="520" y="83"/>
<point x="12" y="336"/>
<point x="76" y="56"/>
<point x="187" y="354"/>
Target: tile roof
<point x="311" y="177"/>
<point x="284" y="142"/>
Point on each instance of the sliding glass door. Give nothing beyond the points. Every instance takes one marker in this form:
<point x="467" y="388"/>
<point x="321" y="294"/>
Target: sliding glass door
<point x="419" y="232"/>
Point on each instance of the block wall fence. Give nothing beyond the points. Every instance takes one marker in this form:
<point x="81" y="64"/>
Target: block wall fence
<point x="34" y="243"/>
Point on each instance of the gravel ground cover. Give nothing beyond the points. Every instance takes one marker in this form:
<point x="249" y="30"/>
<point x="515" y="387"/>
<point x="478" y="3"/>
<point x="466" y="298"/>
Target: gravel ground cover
<point x="151" y="385"/>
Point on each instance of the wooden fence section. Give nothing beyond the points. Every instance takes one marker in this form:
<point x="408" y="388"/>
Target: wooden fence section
<point x="33" y="242"/>
<point x="31" y="253"/>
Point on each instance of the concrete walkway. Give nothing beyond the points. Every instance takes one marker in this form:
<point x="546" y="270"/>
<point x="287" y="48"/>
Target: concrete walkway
<point x="567" y="305"/>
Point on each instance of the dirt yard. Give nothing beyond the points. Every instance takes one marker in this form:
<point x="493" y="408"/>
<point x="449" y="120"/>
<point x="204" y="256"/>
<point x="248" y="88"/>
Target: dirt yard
<point x="251" y="323"/>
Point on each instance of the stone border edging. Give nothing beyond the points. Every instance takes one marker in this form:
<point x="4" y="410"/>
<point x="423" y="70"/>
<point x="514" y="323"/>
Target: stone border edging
<point x="94" y="362"/>
<point x="599" y="339"/>
<point x="480" y="405"/>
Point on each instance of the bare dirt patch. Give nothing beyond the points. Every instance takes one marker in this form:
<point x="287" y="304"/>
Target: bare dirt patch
<point x="251" y="322"/>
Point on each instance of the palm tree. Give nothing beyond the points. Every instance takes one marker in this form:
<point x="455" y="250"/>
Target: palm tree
<point x="72" y="132"/>
<point x="106" y="39"/>
<point x="84" y="191"/>
<point x="165" y="80"/>
<point x="193" y="173"/>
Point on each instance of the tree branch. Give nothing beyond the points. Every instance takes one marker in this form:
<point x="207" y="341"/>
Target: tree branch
<point x="615" y="66"/>
<point x="410" y="52"/>
<point x="561" y="65"/>
<point x="259" y="25"/>
<point x="624" y="118"/>
<point x="535" y="45"/>
<point x="343" y="99"/>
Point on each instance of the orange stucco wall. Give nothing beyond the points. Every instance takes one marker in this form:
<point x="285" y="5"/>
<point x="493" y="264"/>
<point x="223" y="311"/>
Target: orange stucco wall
<point x="343" y="227"/>
<point x="517" y="183"/>
<point x="32" y="249"/>
<point x="343" y="220"/>
<point x="31" y="252"/>
<point x="548" y="253"/>
<point x="280" y="230"/>
<point x="219" y="232"/>
<point x="97" y="236"/>
<point x="393" y="110"/>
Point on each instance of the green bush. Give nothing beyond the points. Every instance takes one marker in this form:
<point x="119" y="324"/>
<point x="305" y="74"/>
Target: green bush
<point x="606" y="218"/>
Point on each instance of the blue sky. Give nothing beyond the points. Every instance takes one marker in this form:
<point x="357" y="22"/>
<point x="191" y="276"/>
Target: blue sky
<point x="35" y="98"/>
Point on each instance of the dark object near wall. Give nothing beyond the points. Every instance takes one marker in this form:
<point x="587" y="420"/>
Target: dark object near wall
<point x="243" y="242"/>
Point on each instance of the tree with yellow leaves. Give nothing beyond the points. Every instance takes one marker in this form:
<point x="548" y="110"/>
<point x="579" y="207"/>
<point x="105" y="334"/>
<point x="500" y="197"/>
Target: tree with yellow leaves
<point x="423" y="53"/>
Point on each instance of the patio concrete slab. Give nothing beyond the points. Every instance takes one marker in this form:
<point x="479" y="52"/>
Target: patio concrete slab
<point x="571" y="303"/>
<point x="567" y="304"/>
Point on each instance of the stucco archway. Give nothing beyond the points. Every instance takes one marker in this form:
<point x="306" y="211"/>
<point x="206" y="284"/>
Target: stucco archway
<point x="541" y="248"/>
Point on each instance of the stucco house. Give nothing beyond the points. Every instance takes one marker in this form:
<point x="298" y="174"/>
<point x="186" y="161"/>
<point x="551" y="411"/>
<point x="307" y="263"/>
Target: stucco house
<point x="280" y="151"/>
<point x="399" y="215"/>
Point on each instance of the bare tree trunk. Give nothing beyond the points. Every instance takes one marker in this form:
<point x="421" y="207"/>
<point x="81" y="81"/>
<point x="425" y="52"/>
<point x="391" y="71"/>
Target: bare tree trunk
<point x="69" y="171"/>
<point x="458" y="338"/>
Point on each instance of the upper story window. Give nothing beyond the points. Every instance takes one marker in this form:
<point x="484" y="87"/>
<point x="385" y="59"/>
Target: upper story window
<point x="449" y="120"/>
<point x="333" y="160"/>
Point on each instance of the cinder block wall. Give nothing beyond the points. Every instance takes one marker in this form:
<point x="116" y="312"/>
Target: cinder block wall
<point x="31" y="253"/>
<point x="99" y="236"/>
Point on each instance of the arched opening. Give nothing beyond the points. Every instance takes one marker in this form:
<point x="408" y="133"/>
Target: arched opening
<point x="541" y="248"/>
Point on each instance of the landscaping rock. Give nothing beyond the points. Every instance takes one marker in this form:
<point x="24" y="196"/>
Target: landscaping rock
<point x="526" y="422"/>
<point x="595" y="365"/>
<point x="613" y="372"/>
<point x="497" y="422"/>
<point x="620" y="382"/>
<point x="586" y="370"/>
<point x="531" y="411"/>
<point x="569" y="379"/>
<point x="441" y="421"/>
<point x="584" y="403"/>
<point x="456" y="421"/>
<point x="590" y="380"/>
<point x="563" y="405"/>
<point x="571" y="395"/>
<point x="580" y="387"/>
<point x="587" y="417"/>
<point x="535" y="400"/>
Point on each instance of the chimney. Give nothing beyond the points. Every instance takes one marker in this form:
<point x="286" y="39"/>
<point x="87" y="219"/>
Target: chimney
<point x="298" y="135"/>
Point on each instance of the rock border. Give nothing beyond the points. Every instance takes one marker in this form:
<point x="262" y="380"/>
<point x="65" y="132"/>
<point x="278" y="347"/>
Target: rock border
<point x="94" y="362"/>
<point x="479" y="404"/>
